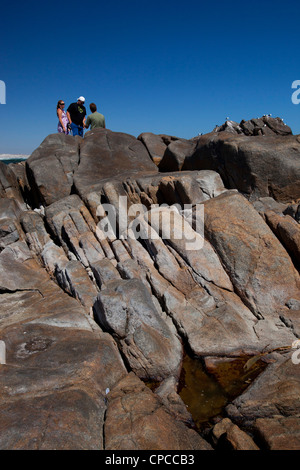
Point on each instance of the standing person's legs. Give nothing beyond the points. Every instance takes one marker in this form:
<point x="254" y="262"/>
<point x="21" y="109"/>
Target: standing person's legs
<point x="80" y="131"/>
<point x="75" y="129"/>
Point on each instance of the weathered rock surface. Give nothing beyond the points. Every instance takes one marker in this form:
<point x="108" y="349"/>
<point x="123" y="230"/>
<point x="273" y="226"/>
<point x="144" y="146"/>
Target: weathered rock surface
<point x="136" y="420"/>
<point x="275" y="392"/>
<point x="251" y="254"/>
<point x="9" y="187"/>
<point x="175" y="155"/>
<point x="98" y="292"/>
<point x="278" y="433"/>
<point x="259" y="157"/>
<point x="58" y="362"/>
<point x="154" y="144"/>
<point x="288" y="232"/>
<point x="147" y="338"/>
<point x="228" y="434"/>
<point x="108" y="155"/>
<point x="258" y="166"/>
<point x="266" y="125"/>
<point x="50" y="168"/>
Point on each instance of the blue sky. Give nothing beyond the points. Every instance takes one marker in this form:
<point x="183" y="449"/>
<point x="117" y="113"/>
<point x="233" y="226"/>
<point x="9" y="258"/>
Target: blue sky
<point x="167" y="67"/>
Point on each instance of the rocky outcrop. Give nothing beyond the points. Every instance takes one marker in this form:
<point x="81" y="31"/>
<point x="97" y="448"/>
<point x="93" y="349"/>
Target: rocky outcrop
<point x="266" y="125"/>
<point x="118" y="257"/>
<point x="251" y="254"/>
<point x="51" y="167"/>
<point x="106" y="155"/>
<point x="259" y="157"/>
<point x="175" y="155"/>
<point x="258" y="166"/>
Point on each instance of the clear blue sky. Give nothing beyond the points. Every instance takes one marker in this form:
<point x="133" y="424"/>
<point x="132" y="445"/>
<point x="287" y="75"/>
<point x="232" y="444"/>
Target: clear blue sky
<point x="172" y="67"/>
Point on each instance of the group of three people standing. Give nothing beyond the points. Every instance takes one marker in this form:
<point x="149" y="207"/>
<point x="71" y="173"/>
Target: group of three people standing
<point x="74" y="119"/>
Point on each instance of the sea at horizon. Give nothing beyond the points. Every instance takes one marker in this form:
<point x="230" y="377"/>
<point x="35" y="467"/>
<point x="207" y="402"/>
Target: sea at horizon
<point x="12" y="158"/>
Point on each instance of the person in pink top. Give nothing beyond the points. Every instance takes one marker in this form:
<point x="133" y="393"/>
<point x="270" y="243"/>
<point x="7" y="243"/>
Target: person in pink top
<point x="62" y="126"/>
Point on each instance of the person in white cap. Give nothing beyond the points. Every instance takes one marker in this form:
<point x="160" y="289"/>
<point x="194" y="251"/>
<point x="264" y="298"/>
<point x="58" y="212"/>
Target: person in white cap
<point x="76" y="113"/>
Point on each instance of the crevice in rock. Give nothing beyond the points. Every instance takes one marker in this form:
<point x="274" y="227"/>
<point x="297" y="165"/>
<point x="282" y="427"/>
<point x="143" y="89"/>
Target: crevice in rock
<point x="4" y="290"/>
<point x="35" y="197"/>
<point x="108" y="330"/>
<point x="289" y="324"/>
<point x="103" y="428"/>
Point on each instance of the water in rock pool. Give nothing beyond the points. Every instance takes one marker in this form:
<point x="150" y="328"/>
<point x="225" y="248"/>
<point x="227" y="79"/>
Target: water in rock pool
<point x="206" y="394"/>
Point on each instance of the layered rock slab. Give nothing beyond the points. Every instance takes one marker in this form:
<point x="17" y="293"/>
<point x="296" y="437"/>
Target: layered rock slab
<point x="69" y="420"/>
<point x="58" y="361"/>
<point x="273" y="393"/>
<point x="137" y="420"/>
<point x="251" y="254"/>
<point x="54" y="384"/>
<point x="279" y="433"/>
<point x="9" y="187"/>
<point x="147" y="339"/>
<point x="201" y="313"/>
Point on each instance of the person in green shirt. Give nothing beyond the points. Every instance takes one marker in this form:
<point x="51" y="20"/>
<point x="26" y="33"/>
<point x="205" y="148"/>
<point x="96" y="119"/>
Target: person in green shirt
<point x="95" y="119"/>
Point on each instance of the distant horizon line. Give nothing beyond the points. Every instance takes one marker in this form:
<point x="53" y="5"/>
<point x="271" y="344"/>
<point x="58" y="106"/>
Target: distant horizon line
<point x="7" y="156"/>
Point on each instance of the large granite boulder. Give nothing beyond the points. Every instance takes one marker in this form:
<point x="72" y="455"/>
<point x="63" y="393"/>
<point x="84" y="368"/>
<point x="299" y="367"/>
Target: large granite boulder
<point x="105" y="155"/>
<point x="9" y="186"/>
<point x="253" y="257"/>
<point x="258" y="166"/>
<point x="61" y="161"/>
<point x="50" y="168"/>
<point x="154" y="144"/>
<point x="175" y="155"/>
